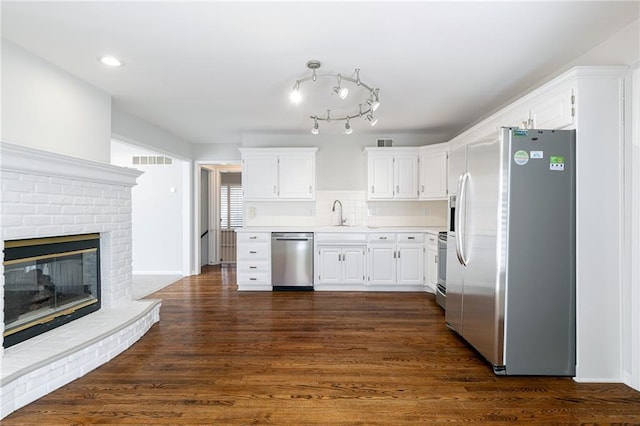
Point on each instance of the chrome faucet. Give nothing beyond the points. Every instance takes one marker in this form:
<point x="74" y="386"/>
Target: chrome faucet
<point x="333" y="209"/>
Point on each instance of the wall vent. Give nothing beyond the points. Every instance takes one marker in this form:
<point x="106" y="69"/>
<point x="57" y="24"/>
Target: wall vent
<point x="151" y="160"/>
<point x="385" y="142"/>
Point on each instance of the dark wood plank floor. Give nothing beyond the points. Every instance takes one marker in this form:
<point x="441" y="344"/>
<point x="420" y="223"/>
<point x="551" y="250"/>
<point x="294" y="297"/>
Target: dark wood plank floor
<point x="222" y="357"/>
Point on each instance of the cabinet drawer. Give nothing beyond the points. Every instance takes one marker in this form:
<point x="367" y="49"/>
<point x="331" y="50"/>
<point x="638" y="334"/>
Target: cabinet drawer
<point x="339" y="238"/>
<point x="254" y="278"/>
<point x="254" y="251"/>
<point x="411" y="238"/>
<point x="264" y="237"/>
<point x="382" y="237"/>
<point x="253" y="267"/>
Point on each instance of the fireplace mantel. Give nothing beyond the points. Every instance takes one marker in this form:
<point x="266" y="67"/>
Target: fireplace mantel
<point x="23" y="159"/>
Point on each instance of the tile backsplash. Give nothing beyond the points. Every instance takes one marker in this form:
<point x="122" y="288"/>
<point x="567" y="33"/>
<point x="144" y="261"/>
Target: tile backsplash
<point x="356" y="209"/>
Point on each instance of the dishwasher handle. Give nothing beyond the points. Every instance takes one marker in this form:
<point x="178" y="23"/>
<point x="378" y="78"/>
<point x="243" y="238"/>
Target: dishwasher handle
<point x="293" y="236"/>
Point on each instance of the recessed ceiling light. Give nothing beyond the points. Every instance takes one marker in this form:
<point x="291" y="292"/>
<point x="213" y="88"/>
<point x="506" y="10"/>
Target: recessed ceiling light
<point x="110" y="61"/>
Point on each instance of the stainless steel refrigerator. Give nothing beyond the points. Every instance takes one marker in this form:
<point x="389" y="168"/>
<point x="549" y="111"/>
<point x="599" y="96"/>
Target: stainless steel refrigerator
<point x="511" y="250"/>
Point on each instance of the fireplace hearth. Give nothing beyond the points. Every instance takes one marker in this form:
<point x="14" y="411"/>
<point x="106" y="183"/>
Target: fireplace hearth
<point x="49" y="282"/>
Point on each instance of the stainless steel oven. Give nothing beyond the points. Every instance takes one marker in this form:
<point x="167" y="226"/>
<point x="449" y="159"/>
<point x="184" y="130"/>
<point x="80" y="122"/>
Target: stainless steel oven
<point x="441" y="290"/>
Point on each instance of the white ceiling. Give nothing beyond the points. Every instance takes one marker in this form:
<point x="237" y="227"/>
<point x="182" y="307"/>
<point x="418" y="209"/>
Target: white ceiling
<point x="211" y="71"/>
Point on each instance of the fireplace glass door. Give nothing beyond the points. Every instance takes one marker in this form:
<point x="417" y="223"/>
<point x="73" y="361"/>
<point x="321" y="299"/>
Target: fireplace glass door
<point x="48" y="282"/>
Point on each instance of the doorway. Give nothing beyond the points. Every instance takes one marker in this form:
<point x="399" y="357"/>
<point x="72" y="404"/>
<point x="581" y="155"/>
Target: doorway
<point x="221" y="213"/>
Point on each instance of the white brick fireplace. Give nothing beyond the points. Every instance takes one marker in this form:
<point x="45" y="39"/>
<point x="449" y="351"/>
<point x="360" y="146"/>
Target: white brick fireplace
<point x="46" y="194"/>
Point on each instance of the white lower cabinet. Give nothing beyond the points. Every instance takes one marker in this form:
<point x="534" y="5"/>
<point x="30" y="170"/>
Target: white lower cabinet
<point x="431" y="262"/>
<point x="341" y="265"/>
<point x="254" y="260"/>
<point x="396" y="260"/>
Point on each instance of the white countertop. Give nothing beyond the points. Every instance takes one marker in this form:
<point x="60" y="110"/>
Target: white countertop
<point x="359" y="229"/>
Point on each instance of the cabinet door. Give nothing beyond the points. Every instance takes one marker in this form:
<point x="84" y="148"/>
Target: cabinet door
<point x="329" y="265"/>
<point x="297" y="176"/>
<point x="433" y="176"/>
<point x="380" y="177"/>
<point x="555" y="112"/>
<point x="353" y="261"/>
<point x="382" y="264"/>
<point x="431" y="259"/>
<point x="410" y="264"/>
<point x="406" y="177"/>
<point x="260" y="177"/>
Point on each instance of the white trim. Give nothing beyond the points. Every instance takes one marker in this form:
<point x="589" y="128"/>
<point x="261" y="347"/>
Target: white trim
<point x="24" y="159"/>
<point x="632" y="377"/>
<point x="189" y="227"/>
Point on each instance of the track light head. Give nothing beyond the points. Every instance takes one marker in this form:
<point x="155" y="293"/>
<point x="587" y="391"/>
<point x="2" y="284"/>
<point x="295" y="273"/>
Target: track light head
<point x="373" y="104"/>
<point x="372" y="120"/>
<point x="314" y="129"/>
<point x="343" y="92"/>
<point x="295" y="95"/>
<point x="347" y="128"/>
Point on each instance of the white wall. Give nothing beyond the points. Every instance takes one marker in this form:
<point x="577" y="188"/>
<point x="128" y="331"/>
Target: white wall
<point x="619" y="49"/>
<point x="158" y="214"/>
<point x="216" y="152"/>
<point x="127" y="128"/>
<point x="47" y="108"/>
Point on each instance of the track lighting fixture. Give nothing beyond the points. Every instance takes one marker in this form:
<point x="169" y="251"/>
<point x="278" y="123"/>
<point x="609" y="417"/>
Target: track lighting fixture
<point x="371" y="103"/>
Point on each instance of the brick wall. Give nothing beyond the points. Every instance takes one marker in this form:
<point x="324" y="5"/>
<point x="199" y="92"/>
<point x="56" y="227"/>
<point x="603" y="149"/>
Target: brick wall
<point x="44" y="206"/>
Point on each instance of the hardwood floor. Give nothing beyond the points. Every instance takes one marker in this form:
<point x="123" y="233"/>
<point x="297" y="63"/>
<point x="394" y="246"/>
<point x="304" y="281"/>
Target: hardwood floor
<point x="292" y="358"/>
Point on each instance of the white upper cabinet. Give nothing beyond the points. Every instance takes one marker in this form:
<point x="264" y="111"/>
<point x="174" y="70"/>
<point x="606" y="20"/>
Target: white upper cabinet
<point x="556" y="111"/>
<point x="433" y="171"/>
<point x="278" y="173"/>
<point x="380" y="178"/>
<point x="392" y="173"/>
<point x="297" y="175"/>
<point x="260" y="177"/>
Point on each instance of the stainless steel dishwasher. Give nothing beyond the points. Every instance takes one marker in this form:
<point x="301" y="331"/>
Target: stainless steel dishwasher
<point x="292" y="260"/>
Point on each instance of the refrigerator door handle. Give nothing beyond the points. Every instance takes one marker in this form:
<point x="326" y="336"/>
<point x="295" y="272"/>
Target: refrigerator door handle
<point x="461" y="219"/>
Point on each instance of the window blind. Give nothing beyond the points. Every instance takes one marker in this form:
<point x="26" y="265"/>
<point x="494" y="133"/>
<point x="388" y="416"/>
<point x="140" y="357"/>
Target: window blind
<point x="231" y="208"/>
